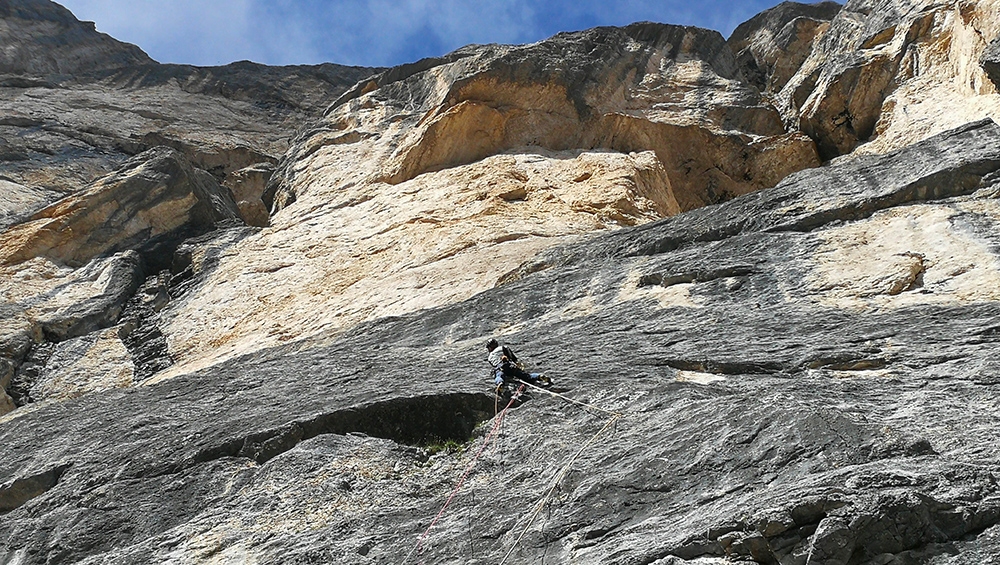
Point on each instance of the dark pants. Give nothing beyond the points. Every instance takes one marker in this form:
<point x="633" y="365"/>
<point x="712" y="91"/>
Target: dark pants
<point x="512" y="373"/>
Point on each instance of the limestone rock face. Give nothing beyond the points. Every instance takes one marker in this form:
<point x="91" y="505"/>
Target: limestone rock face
<point x="771" y="46"/>
<point x="248" y="185"/>
<point x="892" y="72"/>
<point x="641" y="87"/>
<point x="59" y="283"/>
<point x="990" y="61"/>
<point x="156" y="196"/>
<point x="229" y="338"/>
<point x="18" y="202"/>
<point x="6" y="376"/>
<point x="82" y="365"/>
<point x="61" y="137"/>
<point x="46" y="304"/>
<point x="69" y="46"/>
<point x="765" y="418"/>
<point x="437" y="180"/>
<point x="76" y="104"/>
<point x="62" y="302"/>
<point x="439" y="238"/>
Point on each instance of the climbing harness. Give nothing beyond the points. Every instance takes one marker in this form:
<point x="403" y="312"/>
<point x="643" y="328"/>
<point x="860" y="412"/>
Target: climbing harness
<point x="498" y="421"/>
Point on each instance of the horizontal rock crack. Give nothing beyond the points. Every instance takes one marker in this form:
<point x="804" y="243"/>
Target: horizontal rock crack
<point x="419" y="420"/>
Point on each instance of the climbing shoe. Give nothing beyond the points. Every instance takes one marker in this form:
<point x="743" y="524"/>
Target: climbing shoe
<point x="544" y="380"/>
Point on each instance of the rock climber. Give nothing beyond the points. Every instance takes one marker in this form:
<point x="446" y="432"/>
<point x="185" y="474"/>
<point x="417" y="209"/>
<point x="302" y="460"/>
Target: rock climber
<point x="506" y="367"/>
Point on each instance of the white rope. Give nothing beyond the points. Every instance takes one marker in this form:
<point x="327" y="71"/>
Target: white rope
<point x="559" y="477"/>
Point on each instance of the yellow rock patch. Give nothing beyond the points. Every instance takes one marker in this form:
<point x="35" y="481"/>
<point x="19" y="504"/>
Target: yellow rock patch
<point x="342" y="255"/>
<point x="903" y="256"/>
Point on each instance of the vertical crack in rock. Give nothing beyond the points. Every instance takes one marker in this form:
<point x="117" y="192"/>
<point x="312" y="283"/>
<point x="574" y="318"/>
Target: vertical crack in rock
<point x="140" y="328"/>
<point x="30" y="372"/>
<point x="181" y="267"/>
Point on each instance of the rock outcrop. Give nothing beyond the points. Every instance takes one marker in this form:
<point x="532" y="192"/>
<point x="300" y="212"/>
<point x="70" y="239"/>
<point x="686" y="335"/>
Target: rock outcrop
<point x="157" y="197"/>
<point x="771" y="47"/>
<point x="226" y="338"/>
<point x="76" y="104"/>
<point x="990" y="60"/>
<point x="70" y="47"/>
<point x="647" y="86"/>
<point x="887" y="73"/>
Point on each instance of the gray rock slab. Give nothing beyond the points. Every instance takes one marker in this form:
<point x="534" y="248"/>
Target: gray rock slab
<point x="19" y="202"/>
<point x="113" y="281"/>
<point x="760" y="424"/>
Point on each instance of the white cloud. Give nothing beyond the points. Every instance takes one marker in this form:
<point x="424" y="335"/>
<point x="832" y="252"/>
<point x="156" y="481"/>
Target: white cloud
<point x="370" y="32"/>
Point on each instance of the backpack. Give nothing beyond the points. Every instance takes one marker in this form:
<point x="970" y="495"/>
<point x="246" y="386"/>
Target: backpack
<point x="511" y="358"/>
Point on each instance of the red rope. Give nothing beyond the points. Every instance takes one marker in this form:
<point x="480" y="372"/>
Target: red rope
<point x="498" y="421"/>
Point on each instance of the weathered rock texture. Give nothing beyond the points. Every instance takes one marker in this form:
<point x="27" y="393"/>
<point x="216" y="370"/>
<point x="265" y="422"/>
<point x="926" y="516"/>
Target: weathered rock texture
<point x="70" y="47"/>
<point x="76" y="104"/>
<point x="891" y="72"/>
<point x="764" y="417"/>
<point x="219" y="344"/>
<point x="771" y="46"/>
<point x="990" y="60"/>
<point x="154" y="197"/>
<point x="430" y="182"/>
<point x="670" y="89"/>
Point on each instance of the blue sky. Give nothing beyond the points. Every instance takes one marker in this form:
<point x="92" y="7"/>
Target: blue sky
<point x="372" y="32"/>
